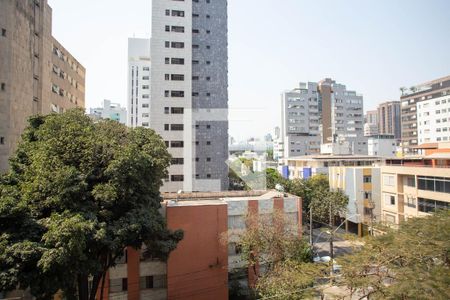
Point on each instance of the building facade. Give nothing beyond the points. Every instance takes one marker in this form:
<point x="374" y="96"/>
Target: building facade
<point x="389" y="119"/>
<point x="321" y="113"/>
<point x="433" y="118"/>
<point x="416" y="186"/>
<point x="211" y="223"/>
<point x="38" y="75"/>
<point x="111" y="111"/>
<point x="138" y="92"/>
<point x="382" y="145"/>
<point x="306" y="166"/>
<point x="371" y="123"/>
<point x="189" y="91"/>
<point x="362" y="186"/>
<point x="431" y="90"/>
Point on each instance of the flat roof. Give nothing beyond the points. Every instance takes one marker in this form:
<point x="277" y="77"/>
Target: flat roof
<point x="335" y="157"/>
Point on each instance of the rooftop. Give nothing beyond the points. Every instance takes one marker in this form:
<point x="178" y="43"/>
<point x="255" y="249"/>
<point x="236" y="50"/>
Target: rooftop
<point x="335" y="157"/>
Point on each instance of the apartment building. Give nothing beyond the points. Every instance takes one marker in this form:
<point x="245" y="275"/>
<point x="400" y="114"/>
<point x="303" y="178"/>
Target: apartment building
<point x="371" y="123"/>
<point x="300" y="121"/>
<point x="383" y="145"/>
<point x="109" y="110"/>
<point x="434" y="90"/>
<point x="138" y="92"/>
<point x="433" y="117"/>
<point x="389" y="119"/>
<point x="306" y="166"/>
<point x="321" y="113"/>
<point x="363" y="188"/>
<point x="211" y="223"/>
<point x="189" y="91"/>
<point x="416" y="186"/>
<point x="38" y="75"/>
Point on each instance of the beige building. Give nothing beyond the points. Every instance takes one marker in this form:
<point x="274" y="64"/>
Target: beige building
<point x="389" y="119"/>
<point x="38" y="75"/>
<point x="415" y="187"/>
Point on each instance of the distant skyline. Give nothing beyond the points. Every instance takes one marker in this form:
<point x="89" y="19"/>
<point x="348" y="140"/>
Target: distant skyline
<point x="373" y="47"/>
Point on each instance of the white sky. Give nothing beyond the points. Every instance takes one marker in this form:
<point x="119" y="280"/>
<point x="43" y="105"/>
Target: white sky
<point x="374" y="47"/>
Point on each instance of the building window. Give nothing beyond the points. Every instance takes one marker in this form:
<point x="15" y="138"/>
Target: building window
<point x="177" y="77"/>
<point x="208" y="159"/>
<point x="177" y="13"/>
<point x="176" y="127"/>
<point x="3" y="32"/>
<point x="167" y="61"/>
<point x="429" y="205"/>
<point x="367" y="179"/>
<point x="2" y="140"/>
<point x="208" y="175"/>
<point x="208" y="126"/>
<point x="389" y="199"/>
<point x="434" y="184"/>
<point x="177" y="29"/>
<point x="167" y="12"/>
<point x="167" y="28"/>
<point x="177" y="110"/>
<point x="166" y="110"/>
<point x="145" y="87"/>
<point x="145" y="105"/>
<point x="388" y="180"/>
<point x="177" y="178"/>
<point x="177" y="94"/>
<point x="197" y="159"/>
<point x="153" y="282"/>
<point x="177" y="144"/>
<point x="166" y="127"/>
<point x="146" y="68"/>
<point x="177" y="161"/>
<point x="177" y="61"/>
<point x="167" y="44"/>
<point x="118" y="285"/>
<point x="166" y="76"/>
<point x="208" y="78"/>
<point x="3" y="86"/>
<point x="178" y="45"/>
<point x="166" y="93"/>
<point x="208" y="143"/>
<point x="194" y="46"/>
<point x="410" y="181"/>
<point x="195" y="31"/>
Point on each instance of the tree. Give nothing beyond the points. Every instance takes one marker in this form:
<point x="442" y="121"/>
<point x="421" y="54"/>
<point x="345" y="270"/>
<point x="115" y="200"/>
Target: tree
<point x="273" y="178"/>
<point x="327" y="204"/>
<point x="412" y="262"/>
<point x="272" y="241"/>
<point x="78" y="193"/>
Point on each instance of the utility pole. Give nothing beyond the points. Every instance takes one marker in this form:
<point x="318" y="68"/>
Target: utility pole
<point x="311" y="227"/>
<point x="331" y="245"/>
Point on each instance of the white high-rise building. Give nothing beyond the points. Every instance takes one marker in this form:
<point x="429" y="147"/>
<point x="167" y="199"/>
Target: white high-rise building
<point x="433" y="118"/>
<point x="138" y="82"/>
<point x="189" y="91"/>
<point x="321" y="114"/>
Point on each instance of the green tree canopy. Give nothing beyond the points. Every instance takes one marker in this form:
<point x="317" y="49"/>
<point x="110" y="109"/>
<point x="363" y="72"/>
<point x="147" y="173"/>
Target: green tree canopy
<point x="77" y="194"/>
<point x="412" y="262"/>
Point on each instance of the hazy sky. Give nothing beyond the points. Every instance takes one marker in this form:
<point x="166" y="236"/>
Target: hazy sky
<point x="372" y="46"/>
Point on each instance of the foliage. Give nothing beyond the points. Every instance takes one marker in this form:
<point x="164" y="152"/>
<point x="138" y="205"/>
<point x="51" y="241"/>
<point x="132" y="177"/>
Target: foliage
<point x="326" y="204"/>
<point x="291" y="280"/>
<point x="273" y="235"/>
<point x="272" y="241"/>
<point x="77" y="194"/>
<point x="247" y="162"/>
<point x="412" y="262"/>
<point x="273" y="178"/>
